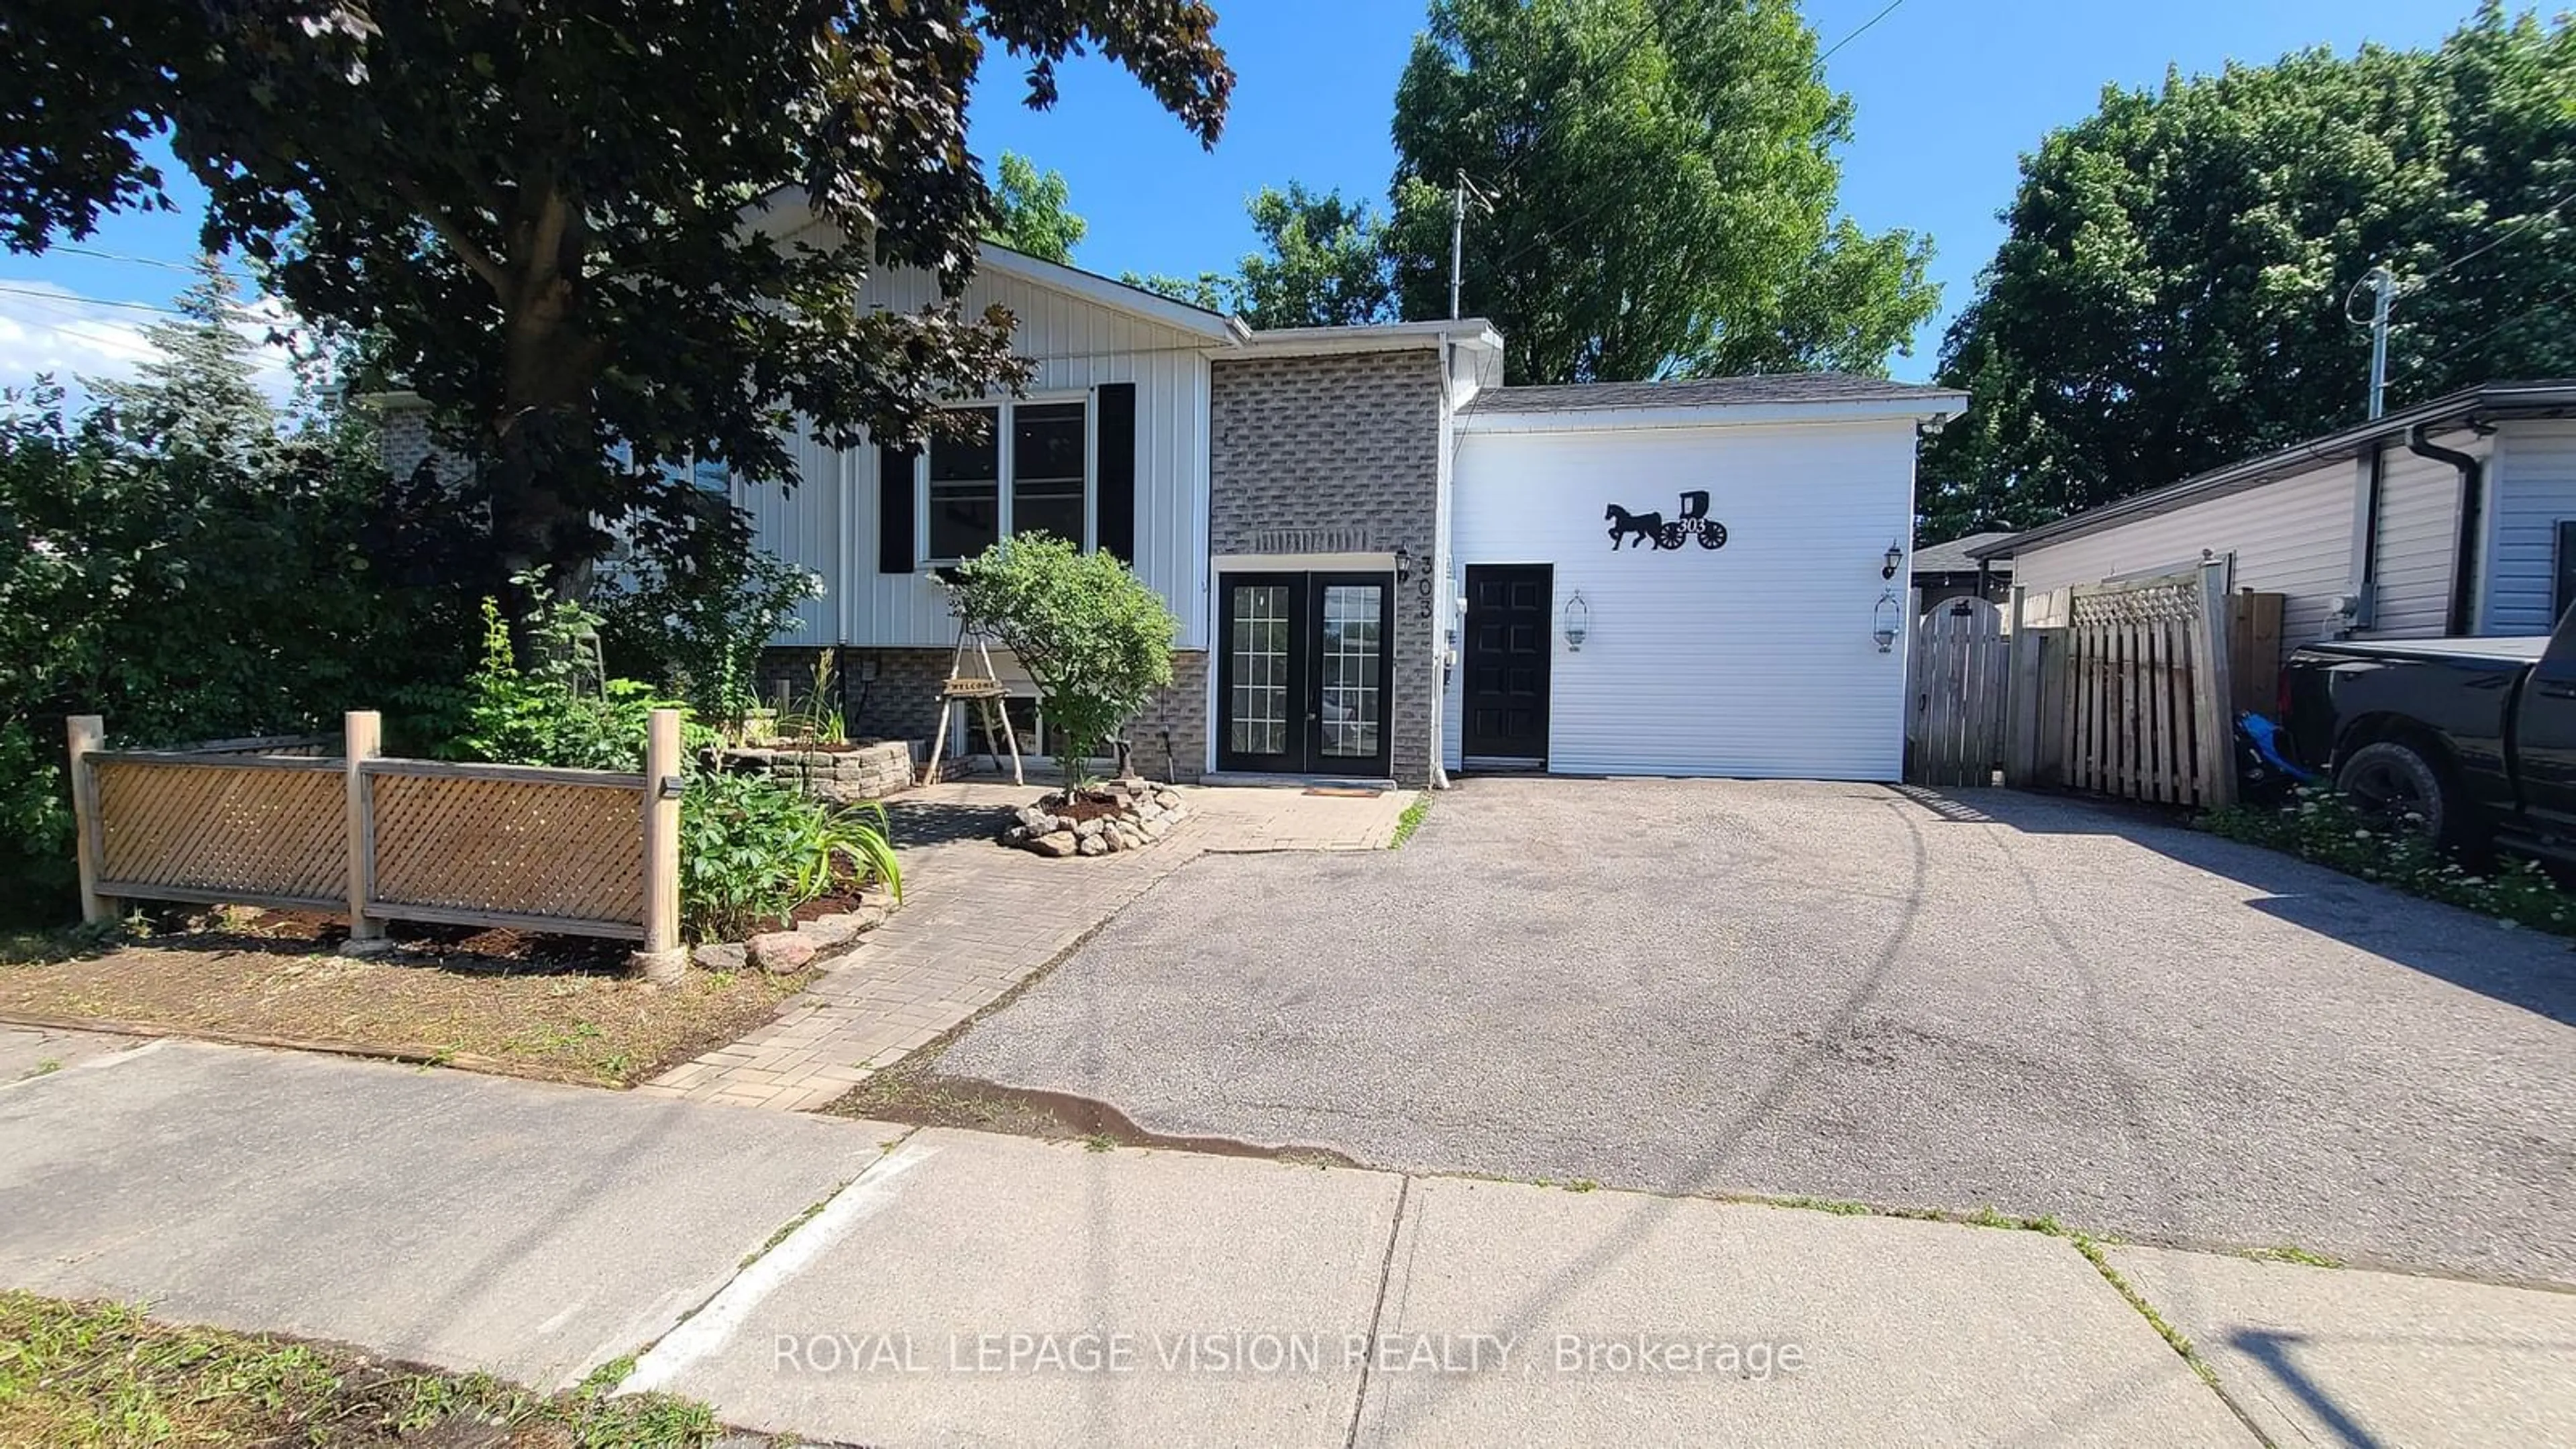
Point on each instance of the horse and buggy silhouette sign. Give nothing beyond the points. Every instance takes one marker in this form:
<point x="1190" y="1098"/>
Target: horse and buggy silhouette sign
<point x="1627" y="530"/>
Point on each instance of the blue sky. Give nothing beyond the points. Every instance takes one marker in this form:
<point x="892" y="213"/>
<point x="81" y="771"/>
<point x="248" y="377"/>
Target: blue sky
<point x="1949" y="93"/>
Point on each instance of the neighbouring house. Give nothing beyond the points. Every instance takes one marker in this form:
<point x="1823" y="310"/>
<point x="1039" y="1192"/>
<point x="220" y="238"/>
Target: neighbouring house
<point x="1944" y="571"/>
<point x="2453" y="517"/>
<point x="1387" y="565"/>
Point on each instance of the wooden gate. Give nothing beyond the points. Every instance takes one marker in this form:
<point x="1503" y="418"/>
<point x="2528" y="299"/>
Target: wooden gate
<point x="2130" y="696"/>
<point x="1960" y="668"/>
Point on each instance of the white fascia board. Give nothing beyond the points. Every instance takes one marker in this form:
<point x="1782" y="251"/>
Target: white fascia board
<point x="784" y="212"/>
<point x="1382" y="337"/>
<point x="1720" y="415"/>
<point x="1115" y="295"/>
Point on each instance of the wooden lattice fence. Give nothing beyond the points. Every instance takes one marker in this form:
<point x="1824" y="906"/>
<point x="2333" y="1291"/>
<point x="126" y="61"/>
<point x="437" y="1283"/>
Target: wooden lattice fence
<point x="2131" y="696"/>
<point x="275" y="822"/>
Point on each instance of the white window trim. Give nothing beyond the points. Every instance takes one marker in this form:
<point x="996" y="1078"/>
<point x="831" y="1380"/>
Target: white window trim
<point x="1005" y="459"/>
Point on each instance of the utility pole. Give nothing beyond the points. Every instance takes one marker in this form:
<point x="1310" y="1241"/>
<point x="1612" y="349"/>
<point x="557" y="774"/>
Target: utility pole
<point x="2383" y="290"/>
<point x="1458" y="200"/>
<point x="1459" y="238"/>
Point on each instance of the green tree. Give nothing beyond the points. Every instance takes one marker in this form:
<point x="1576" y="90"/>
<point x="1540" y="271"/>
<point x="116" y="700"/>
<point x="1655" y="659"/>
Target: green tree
<point x="1095" y="640"/>
<point x="1324" y="263"/>
<point x="1663" y="185"/>
<point x="1032" y="211"/>
<point x="200" y="388"/>
<point x="2172" y="294"/>
<point x="552" y="213"/>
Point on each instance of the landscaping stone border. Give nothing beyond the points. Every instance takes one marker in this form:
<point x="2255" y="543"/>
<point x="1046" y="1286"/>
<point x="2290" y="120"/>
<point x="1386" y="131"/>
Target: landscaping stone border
<point x="870" y="771"/>
<point x="814" y="942"/>
<point x="1140" y="813"/>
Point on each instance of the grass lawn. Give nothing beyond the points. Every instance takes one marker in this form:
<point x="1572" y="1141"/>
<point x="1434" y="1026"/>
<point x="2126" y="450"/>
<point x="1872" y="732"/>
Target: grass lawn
<point x="547" y="1009"/>
<point x="104" y="1374"/>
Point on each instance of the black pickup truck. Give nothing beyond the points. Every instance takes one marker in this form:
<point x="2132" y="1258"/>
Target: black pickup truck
<point x="2477" y="736"/>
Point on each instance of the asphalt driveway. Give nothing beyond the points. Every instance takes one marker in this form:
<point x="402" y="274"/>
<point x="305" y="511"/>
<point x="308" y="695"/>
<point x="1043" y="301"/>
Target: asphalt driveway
<point x="1981" y="999"/>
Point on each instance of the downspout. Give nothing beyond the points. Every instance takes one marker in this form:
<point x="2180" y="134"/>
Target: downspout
<point x="1438" y="561"/>
<point x="2464" y="583"/>
<point x="2365" y="592"/>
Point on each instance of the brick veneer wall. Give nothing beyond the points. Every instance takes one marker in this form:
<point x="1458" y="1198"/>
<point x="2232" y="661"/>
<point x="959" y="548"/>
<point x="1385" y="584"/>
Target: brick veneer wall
<point x="1345" y="449"/>
<point x="902" y="702"/>
<point x="403" y="443"/>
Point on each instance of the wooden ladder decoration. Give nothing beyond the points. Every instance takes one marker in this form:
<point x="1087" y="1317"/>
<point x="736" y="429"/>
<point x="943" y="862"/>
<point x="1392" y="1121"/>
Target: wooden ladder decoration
<point x="982" y="692"/>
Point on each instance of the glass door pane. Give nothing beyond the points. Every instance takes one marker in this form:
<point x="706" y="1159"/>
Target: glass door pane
<point x="1259" y="711"/>
<point x="1351" y="705"/>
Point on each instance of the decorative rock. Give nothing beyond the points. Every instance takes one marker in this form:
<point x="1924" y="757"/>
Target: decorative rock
<point x="1089" y="829"/>
<point x="720" y="956"/>
<point x="879" y="897"/>
<point x="1156" y="829"/>
<point x="868" y="917"/>
<point x="1017" y="834"/>
<point x="1093" y="845"/>
<point x="829" y="931"/>
<point x="781" y="950"/>
<point x="1060" y="844"/>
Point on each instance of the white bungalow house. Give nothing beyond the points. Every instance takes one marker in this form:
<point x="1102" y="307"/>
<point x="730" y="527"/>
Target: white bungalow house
<point x="2453" y="517"/>
<point x="1387" y="565"/>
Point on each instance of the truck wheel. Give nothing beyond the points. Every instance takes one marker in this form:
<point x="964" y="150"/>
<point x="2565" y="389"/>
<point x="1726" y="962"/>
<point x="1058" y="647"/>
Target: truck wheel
<point x="2394" y="779"/>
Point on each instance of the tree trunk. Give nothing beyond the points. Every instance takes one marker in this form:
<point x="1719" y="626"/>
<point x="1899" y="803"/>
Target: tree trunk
<point x="543" y="438"/>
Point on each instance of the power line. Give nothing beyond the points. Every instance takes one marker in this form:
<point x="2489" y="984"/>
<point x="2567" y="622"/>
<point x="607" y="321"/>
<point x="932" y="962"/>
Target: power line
<point x="1857" y="34"/>
<point x="2521" y="314"/>
<point x="2517" y="229"/>
<point x="164" y="264"/>
<point x="69" y="300"/>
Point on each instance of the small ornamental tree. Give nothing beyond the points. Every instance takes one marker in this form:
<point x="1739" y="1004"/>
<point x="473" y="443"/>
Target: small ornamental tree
<point x="1094" y="638"/>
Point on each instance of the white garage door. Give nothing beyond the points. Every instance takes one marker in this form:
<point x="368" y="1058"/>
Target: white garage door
<point x="1756" y="658"/>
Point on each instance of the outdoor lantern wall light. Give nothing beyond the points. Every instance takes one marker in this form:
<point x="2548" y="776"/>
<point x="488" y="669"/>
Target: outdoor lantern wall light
<point x="1403" y="563"/>
<point x="1578" y="622"/>
<point x="1895" y="559"/>
<point x="1883" y="624"/>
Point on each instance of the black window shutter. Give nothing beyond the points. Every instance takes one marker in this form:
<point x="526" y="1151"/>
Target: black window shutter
<point x="1116" y="513"/>
<point x="894" y="509"/>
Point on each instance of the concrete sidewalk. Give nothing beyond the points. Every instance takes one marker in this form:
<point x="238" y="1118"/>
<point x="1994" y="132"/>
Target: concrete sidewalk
<point x="872" y="1284"/>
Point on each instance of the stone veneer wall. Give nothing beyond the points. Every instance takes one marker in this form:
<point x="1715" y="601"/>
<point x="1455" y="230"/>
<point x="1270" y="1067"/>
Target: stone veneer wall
<point x="902" y="703"/>
<point x="1341" y="454"/>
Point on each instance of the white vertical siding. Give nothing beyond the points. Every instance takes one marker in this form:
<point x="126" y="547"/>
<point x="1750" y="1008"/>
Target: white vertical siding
<point x="830" y="522"/>
<point x="804" y="527"/>
<point x="2532" y="485"/>
<point x="2419" y="521"/>
<point x="1755" y="659"/>
<point x="2293" y="536"/>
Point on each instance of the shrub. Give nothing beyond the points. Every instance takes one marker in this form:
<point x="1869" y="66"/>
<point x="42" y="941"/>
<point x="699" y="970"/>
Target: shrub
<point x="2320" y="825"/>
<point x="190" y="589"/>
<point x="1096" y="641"/>
<point x="563" y="711"/>
<point x="693" y="612"/>
<point x="753" y="850"/>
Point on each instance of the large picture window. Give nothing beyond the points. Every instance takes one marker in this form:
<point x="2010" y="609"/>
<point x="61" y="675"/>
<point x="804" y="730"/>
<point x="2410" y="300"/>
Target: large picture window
<point x="1016" y="467"/>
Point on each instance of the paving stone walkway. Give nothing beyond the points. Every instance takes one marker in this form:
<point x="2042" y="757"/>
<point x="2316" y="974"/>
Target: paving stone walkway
<point x="976" y="920"/>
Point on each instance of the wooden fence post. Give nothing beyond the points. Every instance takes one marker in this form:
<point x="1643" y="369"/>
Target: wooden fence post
<point x="2021" y="693"/>
<point x="84" y="733"/>
<point x="662" y="959"/>
<point x="2212" y="698"/>
<point x="362" y="736"/>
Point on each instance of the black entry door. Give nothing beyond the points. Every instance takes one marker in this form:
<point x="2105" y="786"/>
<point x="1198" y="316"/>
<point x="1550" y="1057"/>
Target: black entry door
<point x="1507" y="660"/>
<point x="1302" y="681"/>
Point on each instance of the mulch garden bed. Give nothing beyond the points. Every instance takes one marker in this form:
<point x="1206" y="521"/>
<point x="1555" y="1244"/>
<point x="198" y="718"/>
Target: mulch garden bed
<point x="553" y="1008"/>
